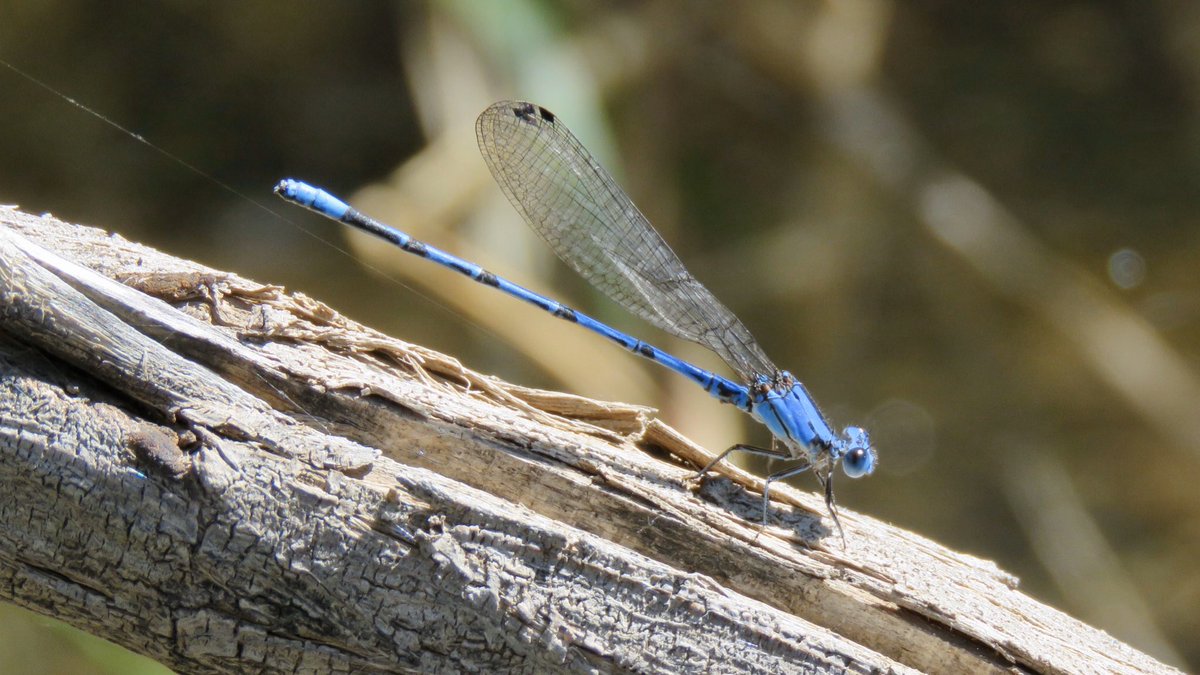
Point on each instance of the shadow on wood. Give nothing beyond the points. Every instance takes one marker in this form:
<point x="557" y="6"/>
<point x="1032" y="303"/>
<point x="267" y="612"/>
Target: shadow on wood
<point x="225" y="477"/>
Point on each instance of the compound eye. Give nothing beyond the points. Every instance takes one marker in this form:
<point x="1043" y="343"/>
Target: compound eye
<point x="858" y="462"/>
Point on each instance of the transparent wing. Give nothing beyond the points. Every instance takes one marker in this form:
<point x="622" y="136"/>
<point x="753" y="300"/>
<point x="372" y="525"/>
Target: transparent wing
<point x="577" y="207"/>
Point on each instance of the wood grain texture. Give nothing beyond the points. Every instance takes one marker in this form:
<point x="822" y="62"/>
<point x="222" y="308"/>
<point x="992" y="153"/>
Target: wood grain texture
<point x="226" y="477"/>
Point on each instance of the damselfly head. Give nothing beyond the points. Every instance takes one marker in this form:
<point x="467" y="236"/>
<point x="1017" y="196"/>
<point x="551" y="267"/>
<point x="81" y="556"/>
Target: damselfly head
<point x="858" y="457"/>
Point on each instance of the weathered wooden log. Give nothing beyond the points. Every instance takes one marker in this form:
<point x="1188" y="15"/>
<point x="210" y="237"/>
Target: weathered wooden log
<point x="225" y="477"/>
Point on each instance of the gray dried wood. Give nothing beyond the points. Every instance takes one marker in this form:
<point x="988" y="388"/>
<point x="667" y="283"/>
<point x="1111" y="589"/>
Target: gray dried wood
<point x="229" y="478"/>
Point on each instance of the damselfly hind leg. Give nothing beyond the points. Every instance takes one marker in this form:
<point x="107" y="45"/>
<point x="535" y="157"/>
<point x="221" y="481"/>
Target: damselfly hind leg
<point x="748" y="449"/>
<point x="770" y="453"/>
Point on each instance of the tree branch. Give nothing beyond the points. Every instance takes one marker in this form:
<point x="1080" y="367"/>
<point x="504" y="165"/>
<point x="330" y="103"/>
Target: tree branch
<point x="225" y="477"/>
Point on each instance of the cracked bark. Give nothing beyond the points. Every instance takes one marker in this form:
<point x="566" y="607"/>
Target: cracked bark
<point x="225" y="477"/>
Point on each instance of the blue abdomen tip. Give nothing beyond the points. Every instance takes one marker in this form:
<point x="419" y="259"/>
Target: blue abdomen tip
<point x="312" y="197"/>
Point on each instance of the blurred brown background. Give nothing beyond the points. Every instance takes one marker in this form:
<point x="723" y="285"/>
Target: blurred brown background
<point x="972" y="230"/>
